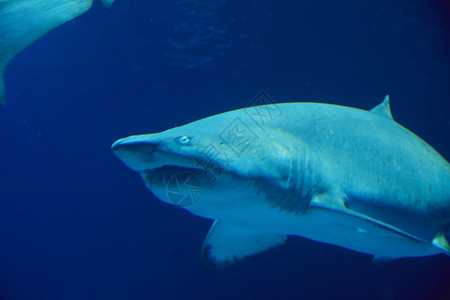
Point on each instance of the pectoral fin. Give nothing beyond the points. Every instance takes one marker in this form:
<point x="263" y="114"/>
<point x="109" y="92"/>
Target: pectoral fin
<point x="441" y="242"/>
<point x="226" y="243"/>
<point x="335" y="202"/>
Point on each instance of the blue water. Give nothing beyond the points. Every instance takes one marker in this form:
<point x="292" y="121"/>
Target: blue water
<point x="75" y="223"/>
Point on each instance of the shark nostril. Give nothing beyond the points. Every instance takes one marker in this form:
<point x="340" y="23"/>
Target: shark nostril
<point x="136" y="155"/>
<point x="142" y="147"/>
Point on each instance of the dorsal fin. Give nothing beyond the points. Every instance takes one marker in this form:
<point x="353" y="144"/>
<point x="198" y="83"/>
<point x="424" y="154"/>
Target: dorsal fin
<point x="383" y="109"/>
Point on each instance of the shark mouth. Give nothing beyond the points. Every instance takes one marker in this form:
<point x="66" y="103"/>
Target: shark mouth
<point x="168" y="175"/>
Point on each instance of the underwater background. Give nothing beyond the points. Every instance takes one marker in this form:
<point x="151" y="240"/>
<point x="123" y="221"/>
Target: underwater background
<point x="75" y="223"/>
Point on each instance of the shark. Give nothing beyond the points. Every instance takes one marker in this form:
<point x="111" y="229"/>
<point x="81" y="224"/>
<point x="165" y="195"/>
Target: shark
<point x="22" y="22"/>
<point x="332" y="174"/>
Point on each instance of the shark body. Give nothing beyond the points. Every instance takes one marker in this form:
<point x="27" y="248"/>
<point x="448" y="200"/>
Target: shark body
<point x="329" y="173"/>
<point x="24" y="21"/>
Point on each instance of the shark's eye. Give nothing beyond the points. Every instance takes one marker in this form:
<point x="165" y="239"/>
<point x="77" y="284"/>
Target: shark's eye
<point x="184" y="140"/>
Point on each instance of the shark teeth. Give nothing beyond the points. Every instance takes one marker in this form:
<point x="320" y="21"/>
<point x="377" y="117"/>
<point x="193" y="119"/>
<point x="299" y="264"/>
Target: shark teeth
<point x="168" y="174"/>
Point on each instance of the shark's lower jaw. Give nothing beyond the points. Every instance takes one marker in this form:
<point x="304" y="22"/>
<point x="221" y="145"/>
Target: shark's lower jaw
<point x="176" y="185"/>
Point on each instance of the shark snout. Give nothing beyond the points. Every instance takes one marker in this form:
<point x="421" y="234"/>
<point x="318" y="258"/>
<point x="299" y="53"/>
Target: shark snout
<point x="146" y="152"/>
<point x="137" y="152"/>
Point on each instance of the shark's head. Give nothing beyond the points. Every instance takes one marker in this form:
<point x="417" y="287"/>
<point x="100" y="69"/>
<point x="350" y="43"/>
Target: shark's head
<point x="206" y="165"/>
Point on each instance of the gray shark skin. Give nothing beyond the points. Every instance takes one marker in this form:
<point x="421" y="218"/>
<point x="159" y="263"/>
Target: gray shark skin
<point x="333" y="174"/>
<point x="24" y="21"/>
